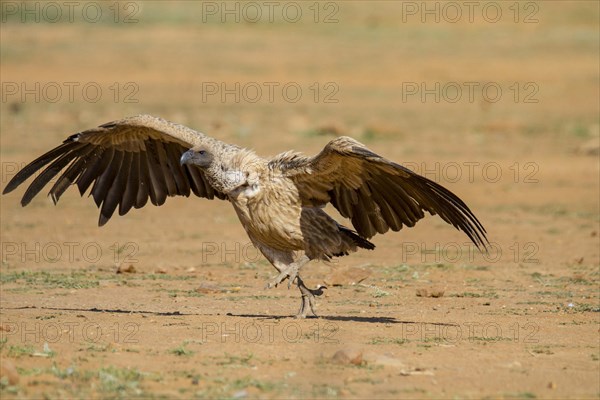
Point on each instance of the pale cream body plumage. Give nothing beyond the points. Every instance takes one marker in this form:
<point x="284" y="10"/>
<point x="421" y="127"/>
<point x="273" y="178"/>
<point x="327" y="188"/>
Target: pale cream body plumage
<point x="278" y="201"/>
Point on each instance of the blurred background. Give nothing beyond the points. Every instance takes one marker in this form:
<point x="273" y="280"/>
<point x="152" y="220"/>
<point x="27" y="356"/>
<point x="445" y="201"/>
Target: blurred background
<point x="498" y="101"/>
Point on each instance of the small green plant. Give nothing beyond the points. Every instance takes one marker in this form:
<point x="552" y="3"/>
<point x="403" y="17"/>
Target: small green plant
<point x="181" y="351"/>
<point x="384" y="340"/>
<point x="20" y="351"/>
<point x="542" y="350"/>
<point x="380" y="293"/>
<point x="124" y="381"/>
<point x="236" y="360"/>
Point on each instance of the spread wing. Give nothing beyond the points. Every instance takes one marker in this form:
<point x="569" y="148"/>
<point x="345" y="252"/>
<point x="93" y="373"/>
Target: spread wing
<point x="127" y="161"/>
<point x="375" y="193"/>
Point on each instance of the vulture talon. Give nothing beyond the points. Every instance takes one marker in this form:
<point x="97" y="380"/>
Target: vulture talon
<point x="308" y="297"/>
<point x="290" y="272"/>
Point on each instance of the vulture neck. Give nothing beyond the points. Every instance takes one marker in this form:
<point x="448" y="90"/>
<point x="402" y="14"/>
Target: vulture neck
<point x="237" y="172"/>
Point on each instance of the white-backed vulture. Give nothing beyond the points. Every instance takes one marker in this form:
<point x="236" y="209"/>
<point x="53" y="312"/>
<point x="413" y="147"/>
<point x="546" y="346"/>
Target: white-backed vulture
<point x="279" y="201"/>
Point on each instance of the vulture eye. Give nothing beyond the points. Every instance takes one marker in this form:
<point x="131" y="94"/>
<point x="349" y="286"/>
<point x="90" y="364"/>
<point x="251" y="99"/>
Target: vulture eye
<point x="201" y="152"/>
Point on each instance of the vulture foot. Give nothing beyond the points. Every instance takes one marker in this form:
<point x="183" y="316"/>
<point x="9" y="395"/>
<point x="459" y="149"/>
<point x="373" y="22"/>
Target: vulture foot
<point x="290" y="272"/>
<point x="308" y="298"/>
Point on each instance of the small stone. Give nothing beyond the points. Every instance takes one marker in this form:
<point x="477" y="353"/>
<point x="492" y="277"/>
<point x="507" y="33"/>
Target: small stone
<point x="551" y="385"/>
<point x="514" y="365"/>
<point x="416" y="371"/>
<point x="129" y="269"/>
<point x="590" y="148"/>
<point x="207" y="288"/>
<point x="160" y="271"/>
<point x="348" y="356"/>
<point x="433" y="292"/>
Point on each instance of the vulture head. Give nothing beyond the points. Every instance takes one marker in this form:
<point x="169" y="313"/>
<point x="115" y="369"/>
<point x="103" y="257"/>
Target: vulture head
<point x="201" y="157"/>
<point x="227" y="171"/>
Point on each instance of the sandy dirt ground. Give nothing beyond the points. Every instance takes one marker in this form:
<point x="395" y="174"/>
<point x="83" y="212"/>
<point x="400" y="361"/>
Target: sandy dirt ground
<point x="170" y="302"/>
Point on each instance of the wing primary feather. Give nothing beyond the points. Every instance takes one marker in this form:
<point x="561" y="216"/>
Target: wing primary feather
<point x="71" y="173"/>
<point x="394" y="221"/>
<point x="371" y="209"/>
<point x="438" y="200"/>
<point x="379" y="217"/>
<point x="469" y="220"/>
<point x="116" y="190"/>
<point x="465" y="220"/>
<point x="144" y="184"/>
<point x="361" y="221"/>
<point x="206" y="187"/>
<point x="105" y="181"/>
<point x="396" y="201"/>
<point x="195" y="180"/>
<point x="164" y="168"/>
<point x="93" y="169"/>
<point x="458" y="203"/>
<point x="37" y="164"/>
<point x="340" y="199"/>
<point x="434" y="197"/>
<point x="132" y="185"/>
<point x="157" y="187"/>
<point x="174" y="153"/>
<point x="50" y="172"/>
<point x="98" y="170"/>
<point x="405" y="205"/>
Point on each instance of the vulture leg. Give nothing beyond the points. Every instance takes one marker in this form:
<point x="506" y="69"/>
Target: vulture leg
<point x="290" y="271"/>
<point x="289" y="268"/>
<point x="308" y="298"/>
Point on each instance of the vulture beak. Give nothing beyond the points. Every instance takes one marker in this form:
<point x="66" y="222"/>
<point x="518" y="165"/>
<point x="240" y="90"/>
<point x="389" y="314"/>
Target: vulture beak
<point x="186" y="157"/>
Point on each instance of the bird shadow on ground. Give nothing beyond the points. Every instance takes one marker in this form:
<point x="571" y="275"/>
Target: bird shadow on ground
<point x="341" y="318"/>
<point x="337" y="318"/>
